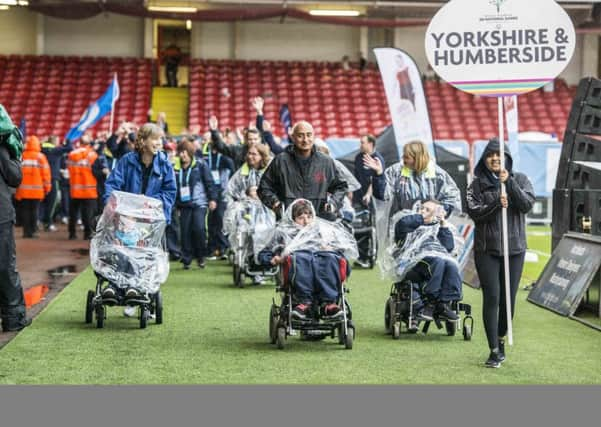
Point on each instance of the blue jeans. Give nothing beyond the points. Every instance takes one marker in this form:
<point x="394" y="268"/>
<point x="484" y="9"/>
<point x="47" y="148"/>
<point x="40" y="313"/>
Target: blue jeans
<point x="443" y="279"/>
<point x="315" y="276"/>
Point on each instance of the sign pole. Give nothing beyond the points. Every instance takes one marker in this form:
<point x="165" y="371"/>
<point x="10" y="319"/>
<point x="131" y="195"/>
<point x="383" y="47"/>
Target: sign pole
<point x="504" y="224"/>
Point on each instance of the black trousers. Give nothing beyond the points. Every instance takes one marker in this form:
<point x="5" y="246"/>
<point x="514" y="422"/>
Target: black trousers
<point x="88" y="210"/>
<point x="217" y="240"/>
<point x="193" y="233"/>
<point x="172" y="235"/>
<point x="12" y="302"/>
<point x="29" y="216"/>
<point x="492" y="281"/>
<point x="48" y="206"/>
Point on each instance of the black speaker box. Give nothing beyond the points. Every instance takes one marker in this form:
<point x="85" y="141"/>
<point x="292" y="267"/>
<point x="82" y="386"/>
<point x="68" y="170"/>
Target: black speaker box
<point x="560" y="224"/>
<point x="586" y="204"/>
<point x="572" y="210"/>
<point x="584" y="175"/>
<point x="585" y="117"/>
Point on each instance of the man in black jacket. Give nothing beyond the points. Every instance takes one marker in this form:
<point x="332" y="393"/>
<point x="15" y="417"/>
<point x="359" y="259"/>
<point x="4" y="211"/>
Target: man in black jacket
<point x="303" y="172"/>
<point x="12" y="302"/>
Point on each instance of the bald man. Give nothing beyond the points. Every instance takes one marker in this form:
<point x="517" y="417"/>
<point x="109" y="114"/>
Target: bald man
<point x="303" y="172"/>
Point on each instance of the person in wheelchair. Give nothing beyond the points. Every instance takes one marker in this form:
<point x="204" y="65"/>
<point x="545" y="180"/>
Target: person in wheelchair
<point x="317" y="246"/>
<point x="426" y="238"/>
<point x="127" y="249"/>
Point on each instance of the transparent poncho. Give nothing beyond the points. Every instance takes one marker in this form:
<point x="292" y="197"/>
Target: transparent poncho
<point x="128" y="248"/>
<point x="319" y="235"/>
<point x="396" y="261"/>
<point x="404" y="187"/>
<point x="239" y="184"/>
<point x="248" y="216"/>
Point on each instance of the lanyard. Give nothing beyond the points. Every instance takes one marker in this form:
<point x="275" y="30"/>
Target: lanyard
<point x="211" y="162"/>
<point x="187" y="176"/>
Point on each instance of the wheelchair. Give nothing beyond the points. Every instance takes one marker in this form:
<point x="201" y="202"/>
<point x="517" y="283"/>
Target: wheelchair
<point x="364" y="230"/>
<point x="96" y="307"/>
<point x="316" y="327"/>
<point x="402" y="309"/>
<point x="244" y="263"/>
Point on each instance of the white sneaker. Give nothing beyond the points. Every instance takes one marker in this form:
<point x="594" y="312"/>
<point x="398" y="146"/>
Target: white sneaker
<point x="129" y="311"/>
<point x="65" y="220"/>
<point x="51" y="227"/>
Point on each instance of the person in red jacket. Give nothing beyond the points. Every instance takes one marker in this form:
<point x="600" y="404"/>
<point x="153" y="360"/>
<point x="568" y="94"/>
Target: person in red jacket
<point x="35" y="185"/>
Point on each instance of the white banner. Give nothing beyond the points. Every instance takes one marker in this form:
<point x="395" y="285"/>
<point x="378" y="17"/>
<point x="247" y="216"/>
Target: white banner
<point x="500" y="47"/>
<point x="511" y="119"/>
<point x="405" y="93"/>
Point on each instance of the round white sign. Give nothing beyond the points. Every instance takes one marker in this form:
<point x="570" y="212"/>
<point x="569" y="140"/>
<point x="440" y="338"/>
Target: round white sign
<point x="500" y="47"/>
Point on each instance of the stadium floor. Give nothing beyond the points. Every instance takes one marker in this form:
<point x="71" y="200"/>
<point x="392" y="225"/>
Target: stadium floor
<point x="214" y="333"/>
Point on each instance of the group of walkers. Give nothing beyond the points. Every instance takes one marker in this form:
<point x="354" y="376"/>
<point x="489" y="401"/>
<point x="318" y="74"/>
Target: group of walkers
<point x="197" y="179"/>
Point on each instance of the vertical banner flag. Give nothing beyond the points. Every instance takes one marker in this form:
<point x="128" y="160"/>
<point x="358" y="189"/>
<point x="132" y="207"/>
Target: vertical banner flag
<point x="511" y="120"/>
<point x="95" y="111"/>
<point x="500" y="48"/>
<point x="285" y="120"/>
<point x="406" y="100"/>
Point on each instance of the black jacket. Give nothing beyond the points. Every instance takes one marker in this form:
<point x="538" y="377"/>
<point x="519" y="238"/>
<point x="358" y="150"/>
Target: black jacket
<point x="236" y="152"/>
<point x="10" y="178"/>
<point x="484" y="206"/>
<point x="285" y="181"/>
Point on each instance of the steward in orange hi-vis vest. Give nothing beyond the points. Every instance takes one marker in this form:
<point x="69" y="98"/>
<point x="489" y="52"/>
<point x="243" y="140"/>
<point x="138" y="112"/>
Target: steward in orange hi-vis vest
<point x="81" y="177"/>
<point x="36" y="181"/>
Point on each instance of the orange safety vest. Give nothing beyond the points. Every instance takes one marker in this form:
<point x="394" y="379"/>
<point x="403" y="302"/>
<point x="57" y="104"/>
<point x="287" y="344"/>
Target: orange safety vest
<point x="81" y="178"/>
<point x="36" y="181"/>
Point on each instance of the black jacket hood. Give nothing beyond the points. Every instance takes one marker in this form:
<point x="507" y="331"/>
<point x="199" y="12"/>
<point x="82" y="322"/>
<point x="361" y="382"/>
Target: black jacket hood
<point x="493" y="145"/>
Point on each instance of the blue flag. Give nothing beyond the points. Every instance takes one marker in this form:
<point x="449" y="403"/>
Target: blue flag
<point x="285" y="119"/>
<point x="95" y="111"/>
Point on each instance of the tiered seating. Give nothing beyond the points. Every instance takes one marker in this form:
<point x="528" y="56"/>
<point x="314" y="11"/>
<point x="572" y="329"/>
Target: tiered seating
<point x="458" y="115"/>
<point x="337" y="102"/>
<point x="52" y="92"/>
<point x="348" y="103"/>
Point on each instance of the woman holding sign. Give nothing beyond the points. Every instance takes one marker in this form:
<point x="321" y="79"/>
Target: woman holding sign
<point x="484" y="205"/>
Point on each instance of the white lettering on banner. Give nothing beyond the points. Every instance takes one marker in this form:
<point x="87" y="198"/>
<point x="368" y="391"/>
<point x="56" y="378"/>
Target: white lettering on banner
<point x="568" y="265"/>
<point x="559" y="281"/>
<point x="578" y="250"/>
<point x="509" y="48"/>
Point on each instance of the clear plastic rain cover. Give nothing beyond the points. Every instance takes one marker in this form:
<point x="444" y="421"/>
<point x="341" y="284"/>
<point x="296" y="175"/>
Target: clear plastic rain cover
<point x="394" y="261"/>
<point x="128" y="248"/>
<point x="249" y="216"/>
<point x="318" y="235"/>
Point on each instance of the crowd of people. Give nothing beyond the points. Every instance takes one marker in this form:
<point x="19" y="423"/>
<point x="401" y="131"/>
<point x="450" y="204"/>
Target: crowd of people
<point x="198" y="177"/>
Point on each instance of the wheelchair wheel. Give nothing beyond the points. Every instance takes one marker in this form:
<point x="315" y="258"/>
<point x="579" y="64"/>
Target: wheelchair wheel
<point x="451" y="328"/>
<point x="90" y="307"/>
<point x="281" y="337"/>
<point x="158" y="307"/>
<point x="372" y="263"/>
<point x="396" y="330"/>
<point x="349" y="338"/>
<point x="467" y="333"/>
<point x="389" y="315"/>
<point x="238" y="276"/>
<point x="100" y="314"/>
<point x="144" y="315"/>
<point x="273" y="323"/>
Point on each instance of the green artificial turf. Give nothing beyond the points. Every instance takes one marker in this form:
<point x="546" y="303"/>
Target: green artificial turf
<point x="215" y="334"/>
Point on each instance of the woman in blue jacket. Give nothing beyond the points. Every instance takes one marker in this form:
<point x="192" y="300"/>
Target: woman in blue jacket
<point x="195" y="191"/>
<point x="147" y="171"/>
